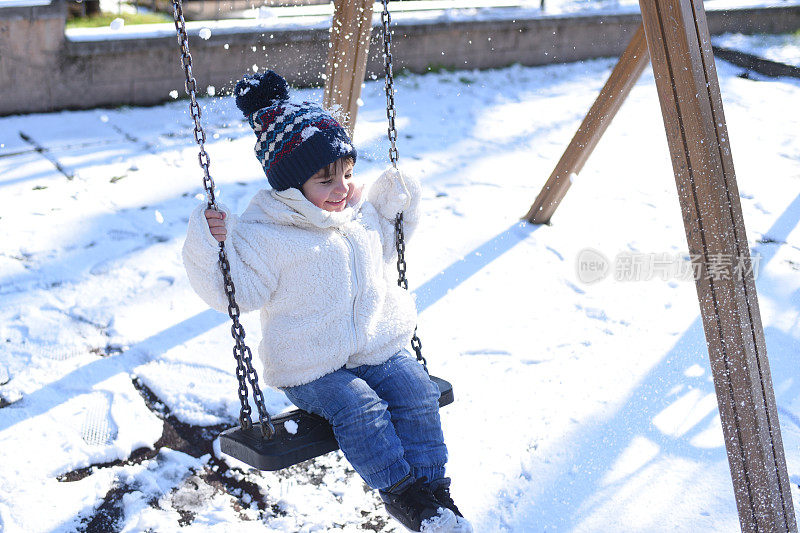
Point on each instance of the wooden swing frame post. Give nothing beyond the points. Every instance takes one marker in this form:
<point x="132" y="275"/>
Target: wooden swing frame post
<point x="348" y="49"/>
<point x="679" y="46"/>
<point x="691" y="105"/>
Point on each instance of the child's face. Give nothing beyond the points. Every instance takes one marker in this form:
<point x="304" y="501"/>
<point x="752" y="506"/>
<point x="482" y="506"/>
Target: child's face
<point x="330" y="191"/>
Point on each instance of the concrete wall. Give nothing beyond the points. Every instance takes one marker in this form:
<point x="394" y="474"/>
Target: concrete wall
<point x="40" y="70"/>
<point x="31" y="46"/>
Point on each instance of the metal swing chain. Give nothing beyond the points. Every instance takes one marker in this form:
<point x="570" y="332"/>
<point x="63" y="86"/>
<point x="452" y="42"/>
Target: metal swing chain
<point x="391" y="113"/>
<point x="241" y="352"/>
<point x="416" y="344"/>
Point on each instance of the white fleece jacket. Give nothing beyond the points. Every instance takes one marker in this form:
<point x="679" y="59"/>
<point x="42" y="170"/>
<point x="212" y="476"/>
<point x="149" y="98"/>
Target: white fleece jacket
<point x="325" y="282"/>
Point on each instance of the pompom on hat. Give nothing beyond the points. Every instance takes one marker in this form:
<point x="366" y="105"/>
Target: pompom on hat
<point x="295" y="139"/>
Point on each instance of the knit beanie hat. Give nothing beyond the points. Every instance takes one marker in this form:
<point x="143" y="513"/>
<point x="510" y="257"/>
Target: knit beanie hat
<point x="295" y="139"/>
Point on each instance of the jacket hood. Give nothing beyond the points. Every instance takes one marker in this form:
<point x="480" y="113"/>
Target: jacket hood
<point x="291" y="208"/>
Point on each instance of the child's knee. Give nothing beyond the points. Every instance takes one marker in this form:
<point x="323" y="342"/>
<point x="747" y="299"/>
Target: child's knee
<point x="419" y="382"/>
<point x="356" y="400"/>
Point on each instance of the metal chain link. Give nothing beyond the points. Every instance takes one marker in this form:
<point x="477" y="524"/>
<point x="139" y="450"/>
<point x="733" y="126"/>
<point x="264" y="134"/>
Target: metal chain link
<point x="400" y="242"/>
<point x="391" y="113"/>
<point x="244" y="358"/>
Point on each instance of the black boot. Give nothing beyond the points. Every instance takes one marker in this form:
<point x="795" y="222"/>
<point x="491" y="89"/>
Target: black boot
<point x="441" y="491"/>
<point x="414" y="505"/>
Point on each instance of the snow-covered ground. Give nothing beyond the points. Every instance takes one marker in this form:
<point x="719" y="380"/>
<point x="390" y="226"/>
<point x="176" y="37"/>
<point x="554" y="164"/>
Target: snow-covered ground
<point x="780" y="48"/>
<point x="580" y="407"/>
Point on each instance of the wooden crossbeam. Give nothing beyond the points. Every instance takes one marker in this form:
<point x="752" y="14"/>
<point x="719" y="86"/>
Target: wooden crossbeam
<point x="351" y="30"/>
<point x="622" y="79"/>
<point x="688" y="90"/>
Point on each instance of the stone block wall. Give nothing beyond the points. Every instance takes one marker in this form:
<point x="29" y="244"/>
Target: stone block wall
<point x="31" y="47"/>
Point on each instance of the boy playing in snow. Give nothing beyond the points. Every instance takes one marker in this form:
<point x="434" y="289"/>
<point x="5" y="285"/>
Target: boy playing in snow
<point x="317" y="260"/>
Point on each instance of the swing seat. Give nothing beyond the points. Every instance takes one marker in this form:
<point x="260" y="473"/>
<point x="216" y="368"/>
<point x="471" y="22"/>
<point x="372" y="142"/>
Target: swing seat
<point x="313" y="437"/>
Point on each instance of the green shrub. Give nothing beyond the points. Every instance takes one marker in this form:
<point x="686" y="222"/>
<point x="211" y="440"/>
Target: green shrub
<point x="104" y="19"/>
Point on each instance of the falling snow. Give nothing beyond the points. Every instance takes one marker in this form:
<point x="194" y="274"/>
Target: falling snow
<point x="579" y="407"/>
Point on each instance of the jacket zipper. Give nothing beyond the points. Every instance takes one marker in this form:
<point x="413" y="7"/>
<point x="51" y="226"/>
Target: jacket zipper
<point x="353" y="269"/>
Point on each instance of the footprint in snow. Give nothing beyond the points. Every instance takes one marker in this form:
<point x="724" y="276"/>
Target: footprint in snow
<point x="58" y="352"/>
<point x="574" y="287"/>
<point x="761" y="208"/>
<point x="597" y="314"/>
<point x="532" y="361"/>
<point x="121" y="235"/>
<point x="486" y="352"/>
<point x="98" y="429"/>
<point x="555" y="252"/>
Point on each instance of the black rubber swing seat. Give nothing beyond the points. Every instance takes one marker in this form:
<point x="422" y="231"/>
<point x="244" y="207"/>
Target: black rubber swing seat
<point x="313" y="437"/>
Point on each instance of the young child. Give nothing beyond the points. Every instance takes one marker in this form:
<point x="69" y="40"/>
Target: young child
<point x="319" y="262"/>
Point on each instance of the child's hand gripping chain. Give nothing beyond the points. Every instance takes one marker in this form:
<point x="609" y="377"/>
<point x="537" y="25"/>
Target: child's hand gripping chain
<point x="216" y="224"/>
<point x="390" y="193"/>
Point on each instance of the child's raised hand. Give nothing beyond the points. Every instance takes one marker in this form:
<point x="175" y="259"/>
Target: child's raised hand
<point x="216" y="224"/>
<point x="390" y="193"/>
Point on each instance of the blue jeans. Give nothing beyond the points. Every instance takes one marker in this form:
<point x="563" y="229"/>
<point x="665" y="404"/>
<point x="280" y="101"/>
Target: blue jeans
<point x="385" y="418"/>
